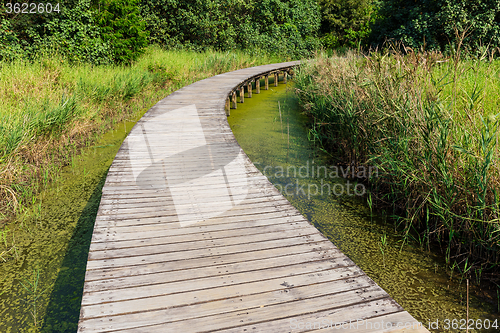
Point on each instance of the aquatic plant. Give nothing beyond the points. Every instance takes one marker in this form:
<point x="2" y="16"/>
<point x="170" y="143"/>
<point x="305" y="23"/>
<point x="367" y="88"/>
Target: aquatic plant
<point x="34" y="292"/>
<point x="383" y="244"/>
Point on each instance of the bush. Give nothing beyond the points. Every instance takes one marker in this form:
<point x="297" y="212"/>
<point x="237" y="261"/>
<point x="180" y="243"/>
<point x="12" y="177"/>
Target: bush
<point x="74" y="32"/>
<point x="271" y="25"/>
<point x="123" y="29"/>
<point x="346" y="23"/>
<point x="95" y="31"/>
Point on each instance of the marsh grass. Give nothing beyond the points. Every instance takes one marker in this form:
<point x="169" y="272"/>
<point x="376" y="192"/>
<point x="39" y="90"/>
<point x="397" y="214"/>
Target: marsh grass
<point x="430" y="125"/>
<point x="50" y="109"/>
<point x="34" y="293"/>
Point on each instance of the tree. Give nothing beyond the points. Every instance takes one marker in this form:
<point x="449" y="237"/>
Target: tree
<point x="122" y="27"/>
<point x="433" y="23"/>
<point x="345" y="22"/>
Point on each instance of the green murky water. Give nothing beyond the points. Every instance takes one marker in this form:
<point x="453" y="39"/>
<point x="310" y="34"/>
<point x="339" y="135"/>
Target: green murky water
<point x="279" y="147"/>
<point x="52" y="245"/>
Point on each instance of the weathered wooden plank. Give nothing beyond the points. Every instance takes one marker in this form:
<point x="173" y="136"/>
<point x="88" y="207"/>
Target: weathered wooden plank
<point x="142" y="249"/>
<point x="162" y="296"/>
<point x="274" y="312"/>
<point x="226" y="305"/>
<point x="215" y="236"/>
<point x="224" y="259"/>
<point x="237" y="210"/>
<point x="189" y="254"/>
<point x="361" y="311"/>
<point x="107" y="233"/>
<point x="197" y="273"/>
<point x="159" y="223"/>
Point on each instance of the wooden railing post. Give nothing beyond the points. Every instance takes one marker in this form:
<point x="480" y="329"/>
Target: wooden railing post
<point x="242" y="94"/>
<point x="234" y="100"/>
<point x="257" y="85"/>
<point x="249" y="88"/>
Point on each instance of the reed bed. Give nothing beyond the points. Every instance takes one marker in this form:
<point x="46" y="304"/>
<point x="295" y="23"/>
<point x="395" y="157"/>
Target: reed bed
<point x="430" y="125"/>
<point x="51" y="108"/>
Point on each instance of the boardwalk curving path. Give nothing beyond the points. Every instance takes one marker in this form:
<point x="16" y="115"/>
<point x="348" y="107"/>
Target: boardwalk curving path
<point x="191" y="237"/>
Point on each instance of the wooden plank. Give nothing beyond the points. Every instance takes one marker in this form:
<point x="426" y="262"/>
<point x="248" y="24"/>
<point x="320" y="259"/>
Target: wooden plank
<point x="199" y="253"/>
<point x="214" y="271"/>
<point x="188" y="292"/>
<point x="274" y="312"/>
<point x="224" y="259"/>
<point x="237" y="210"/>
<point x="361" y="311"/>
<point x="213" y="236"/>
<point x="226" y="305"/>
<point x="140" y="248"/>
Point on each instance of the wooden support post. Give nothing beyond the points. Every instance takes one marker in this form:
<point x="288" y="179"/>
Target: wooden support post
<point x="249" y="88"/>
<point x="257" y="85"/>
<point x="267" y="81"/>
<point x="276" y="78"/>
<point x="228" y="107"/>
<point x="284" y="76"/>
<point x="242" y="94"/>
<point x="234" y="100"/>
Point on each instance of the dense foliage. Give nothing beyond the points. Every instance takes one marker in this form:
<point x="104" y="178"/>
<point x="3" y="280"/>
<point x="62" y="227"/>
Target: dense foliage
<point x="106" y="31"/>
<point x="272" y="25"/>
<point x="435" y="23"/>
<point x="346" y="22"/>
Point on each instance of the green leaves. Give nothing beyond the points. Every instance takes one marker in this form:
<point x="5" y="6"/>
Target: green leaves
<point x="346" y="22"/>
<point x="433" y="24"/>
<point x="275" y="26"/>
<point x="123" y="28"/>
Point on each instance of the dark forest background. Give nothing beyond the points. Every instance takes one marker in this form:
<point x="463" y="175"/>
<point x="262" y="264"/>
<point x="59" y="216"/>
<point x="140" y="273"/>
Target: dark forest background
<point x="117" y="31"/>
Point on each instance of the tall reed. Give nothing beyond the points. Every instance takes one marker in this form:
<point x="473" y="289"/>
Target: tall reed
<point x="430" y="125"/>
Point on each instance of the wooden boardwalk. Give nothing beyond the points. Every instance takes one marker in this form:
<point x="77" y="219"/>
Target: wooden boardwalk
<point x="191" y="237"/>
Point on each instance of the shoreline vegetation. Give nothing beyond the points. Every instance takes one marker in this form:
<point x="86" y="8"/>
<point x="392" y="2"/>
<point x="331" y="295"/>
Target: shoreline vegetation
<point x="429" y="124"/>
<point x="51" y="108"/>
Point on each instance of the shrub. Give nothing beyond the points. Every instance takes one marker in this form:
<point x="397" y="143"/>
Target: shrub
<point x="123" y="29"/>
<point x="346" y="22"/>
<point x="271" y="25"/>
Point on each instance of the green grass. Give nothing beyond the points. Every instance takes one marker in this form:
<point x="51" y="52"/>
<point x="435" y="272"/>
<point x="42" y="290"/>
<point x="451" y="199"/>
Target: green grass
<point x="50" y="108"/>
<point x="430" y="125"/>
